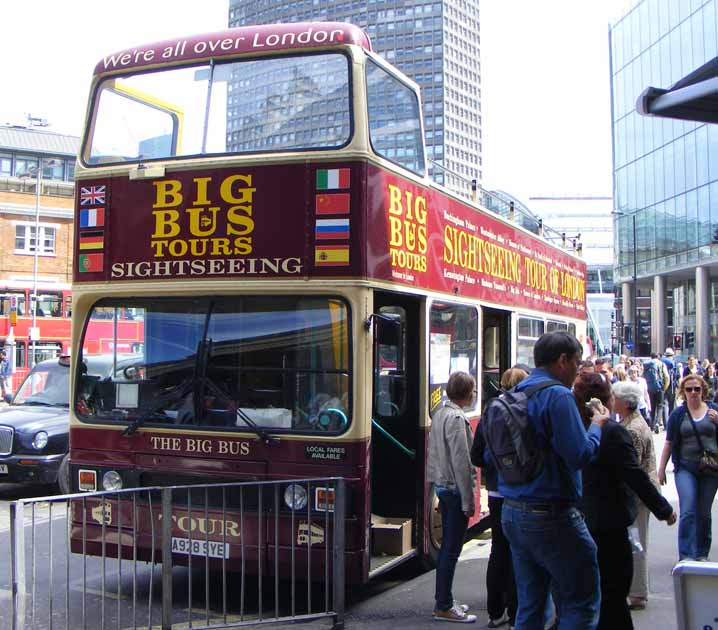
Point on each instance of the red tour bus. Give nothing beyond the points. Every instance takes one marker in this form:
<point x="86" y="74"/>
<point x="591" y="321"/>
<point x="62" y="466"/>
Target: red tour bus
<point x="258" y="198"/>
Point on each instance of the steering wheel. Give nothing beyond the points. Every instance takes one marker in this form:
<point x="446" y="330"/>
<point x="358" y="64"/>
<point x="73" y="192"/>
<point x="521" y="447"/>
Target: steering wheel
<point x="325" y="417"/>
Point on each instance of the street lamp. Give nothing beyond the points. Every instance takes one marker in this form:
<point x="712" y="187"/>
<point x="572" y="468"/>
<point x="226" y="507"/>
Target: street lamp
<point x="33" y="296"/>
<point x="635" y="276"/>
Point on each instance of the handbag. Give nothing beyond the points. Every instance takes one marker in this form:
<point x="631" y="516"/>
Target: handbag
<point x="708" y="462"/>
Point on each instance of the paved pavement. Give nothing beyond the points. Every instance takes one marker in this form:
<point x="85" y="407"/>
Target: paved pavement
<point x="409" y="604"/>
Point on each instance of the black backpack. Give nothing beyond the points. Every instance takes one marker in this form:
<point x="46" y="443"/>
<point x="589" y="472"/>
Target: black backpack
<point x="510" y="436"/>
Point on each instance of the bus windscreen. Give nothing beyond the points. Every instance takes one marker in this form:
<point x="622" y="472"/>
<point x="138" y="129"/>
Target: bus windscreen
<point x="274" y="104"/>
<point x="280" y="363"/>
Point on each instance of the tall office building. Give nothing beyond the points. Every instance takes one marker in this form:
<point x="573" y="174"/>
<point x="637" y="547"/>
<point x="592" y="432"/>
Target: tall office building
<point x="434" y="42"/>
<point x="665" y="181"/>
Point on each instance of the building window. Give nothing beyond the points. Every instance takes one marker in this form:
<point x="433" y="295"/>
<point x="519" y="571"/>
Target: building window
<point x="25" y="166"/>
<point x="25" y="239"/>
<point x="5" y="164"/>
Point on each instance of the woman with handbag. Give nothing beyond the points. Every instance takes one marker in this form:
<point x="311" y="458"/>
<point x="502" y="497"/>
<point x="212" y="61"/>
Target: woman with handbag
<point x="691" y="444"/>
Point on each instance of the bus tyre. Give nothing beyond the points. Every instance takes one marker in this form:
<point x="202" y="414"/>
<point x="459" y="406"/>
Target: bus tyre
<point x="435" y="532"/>
<point x="63" y="475"/>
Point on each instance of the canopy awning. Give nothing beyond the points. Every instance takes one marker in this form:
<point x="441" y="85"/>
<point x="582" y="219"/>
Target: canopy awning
<point x="694" y="97"/>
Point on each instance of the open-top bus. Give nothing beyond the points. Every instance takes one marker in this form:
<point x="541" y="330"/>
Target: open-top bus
<point x="258" y="198"/>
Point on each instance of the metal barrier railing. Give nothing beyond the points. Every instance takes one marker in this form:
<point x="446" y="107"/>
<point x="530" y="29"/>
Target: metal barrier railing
<point x="231" y="555"/>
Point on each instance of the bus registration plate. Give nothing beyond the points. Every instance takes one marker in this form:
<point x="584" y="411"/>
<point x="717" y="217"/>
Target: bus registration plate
<point x="200" y="547"/>
<point x="3" y="469"/>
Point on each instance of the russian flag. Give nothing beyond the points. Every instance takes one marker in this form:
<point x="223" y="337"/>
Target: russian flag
<point x="331" y="229"/>
<point x="94" y="217"/>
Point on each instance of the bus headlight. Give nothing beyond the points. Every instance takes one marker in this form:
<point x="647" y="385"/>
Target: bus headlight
<point x="111" y="480"/>
<point x="40" y="440"/>
<point x="295" y="496"/>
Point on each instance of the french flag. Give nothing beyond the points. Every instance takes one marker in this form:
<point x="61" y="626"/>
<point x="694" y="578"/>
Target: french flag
<point x="94" y="217"/>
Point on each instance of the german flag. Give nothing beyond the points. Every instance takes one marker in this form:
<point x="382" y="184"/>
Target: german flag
<point x="92" y="240"/>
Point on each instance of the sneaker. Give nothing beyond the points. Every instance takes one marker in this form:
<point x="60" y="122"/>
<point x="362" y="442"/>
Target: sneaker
<point x="463" y="607"/>
<point x="496" y="623"/>
<point x="455" y="614"/>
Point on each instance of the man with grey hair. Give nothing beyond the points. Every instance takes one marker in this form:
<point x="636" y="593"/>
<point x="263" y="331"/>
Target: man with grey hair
<point x="627" y="399"/>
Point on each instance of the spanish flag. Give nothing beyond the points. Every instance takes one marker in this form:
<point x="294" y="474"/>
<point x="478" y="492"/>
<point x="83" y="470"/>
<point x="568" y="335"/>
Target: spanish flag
<point x="331" y="256"/>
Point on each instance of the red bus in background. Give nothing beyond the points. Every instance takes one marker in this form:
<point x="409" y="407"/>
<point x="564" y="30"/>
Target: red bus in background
<point x="52" y="320"/>
<point x="254" y="210"/>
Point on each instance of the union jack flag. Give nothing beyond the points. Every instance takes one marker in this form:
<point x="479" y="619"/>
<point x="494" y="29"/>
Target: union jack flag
<point x="92" y="195"/>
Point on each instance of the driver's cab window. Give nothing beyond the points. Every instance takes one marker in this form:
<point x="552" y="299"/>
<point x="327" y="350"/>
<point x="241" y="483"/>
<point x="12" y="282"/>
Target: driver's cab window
<point x="390" y="362"/>
<point x="453" y="346"/>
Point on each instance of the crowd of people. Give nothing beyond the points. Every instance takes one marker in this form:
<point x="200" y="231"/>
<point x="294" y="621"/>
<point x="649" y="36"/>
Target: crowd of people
<point x="569" y="545"/>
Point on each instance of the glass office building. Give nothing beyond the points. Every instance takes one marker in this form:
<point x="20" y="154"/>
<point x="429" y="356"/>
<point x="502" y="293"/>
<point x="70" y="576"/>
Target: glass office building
<point x="665" y="181"/>
<point x="434" y="42"/>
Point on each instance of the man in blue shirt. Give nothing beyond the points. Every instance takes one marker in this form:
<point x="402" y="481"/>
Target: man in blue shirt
<point x="550" y="543"/>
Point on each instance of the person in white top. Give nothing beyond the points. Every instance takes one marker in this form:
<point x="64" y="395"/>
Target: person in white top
<point x="644" y="405"/>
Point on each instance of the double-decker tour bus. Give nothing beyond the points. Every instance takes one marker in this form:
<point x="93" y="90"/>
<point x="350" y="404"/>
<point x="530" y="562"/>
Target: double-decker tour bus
<point x="258" y="198"/>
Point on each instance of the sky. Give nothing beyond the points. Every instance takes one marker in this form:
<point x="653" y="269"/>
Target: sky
<point x="545" y="77"/>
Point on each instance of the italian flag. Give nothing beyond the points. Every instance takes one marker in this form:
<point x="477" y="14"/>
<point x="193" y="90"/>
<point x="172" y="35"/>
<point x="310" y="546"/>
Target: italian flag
<point x="330" y="179"/>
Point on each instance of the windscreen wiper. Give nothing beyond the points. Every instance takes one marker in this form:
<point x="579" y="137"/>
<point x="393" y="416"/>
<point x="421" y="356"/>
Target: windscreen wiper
<point x="163" y="400"/>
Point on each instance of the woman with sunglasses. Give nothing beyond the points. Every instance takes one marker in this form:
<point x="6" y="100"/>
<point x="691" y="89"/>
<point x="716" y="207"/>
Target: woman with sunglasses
<point x="691" y="429"/>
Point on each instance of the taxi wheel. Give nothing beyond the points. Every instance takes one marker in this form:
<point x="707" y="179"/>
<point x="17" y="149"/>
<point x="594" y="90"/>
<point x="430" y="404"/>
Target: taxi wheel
<point x="63" y="475"/>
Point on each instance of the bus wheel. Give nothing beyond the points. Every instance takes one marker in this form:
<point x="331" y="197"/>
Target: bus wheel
<point x="435" y="532"/>
<point x="63" y="475"/>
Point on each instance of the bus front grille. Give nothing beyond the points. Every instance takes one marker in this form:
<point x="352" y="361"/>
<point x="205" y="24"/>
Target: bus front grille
<point x="6" y="434"/>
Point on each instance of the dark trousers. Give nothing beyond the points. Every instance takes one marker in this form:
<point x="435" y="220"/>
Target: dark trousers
<point x="615" y="564"/>
<point x="500" y="584"/>
<point x="656" y="408"/>
<point x="454" y="523"/>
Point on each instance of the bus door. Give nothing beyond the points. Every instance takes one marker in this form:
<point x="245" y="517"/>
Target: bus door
<point x="396" y="482"/>
<point x="495" y="351"/>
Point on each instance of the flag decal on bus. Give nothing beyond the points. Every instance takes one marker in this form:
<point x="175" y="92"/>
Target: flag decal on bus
<point x="332" y="228"/>
<point x="90" y="262"/>
<point x="92" y="240"/>
<point x="337" y="203"/>
<point x="92" y="195"/>
<point x="331" y="255"/>
<point x="333" y="178"/>
<point x="94" y="217"/>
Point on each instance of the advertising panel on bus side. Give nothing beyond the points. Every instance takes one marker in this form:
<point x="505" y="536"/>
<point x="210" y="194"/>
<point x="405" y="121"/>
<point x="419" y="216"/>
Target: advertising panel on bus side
<point x="300" y="220"/>
<point x="424" y="238"/>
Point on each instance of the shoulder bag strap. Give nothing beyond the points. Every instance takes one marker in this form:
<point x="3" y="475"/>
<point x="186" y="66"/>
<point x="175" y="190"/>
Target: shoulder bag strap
<point x="695" y="431"/>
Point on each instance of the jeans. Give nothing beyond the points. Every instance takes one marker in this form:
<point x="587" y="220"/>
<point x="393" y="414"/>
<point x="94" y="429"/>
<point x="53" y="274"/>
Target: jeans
<point x="553" y="548"/>
<point x="695" y="498"/>
<point x="453" y="523"/>
<point x="500" y="584"/>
